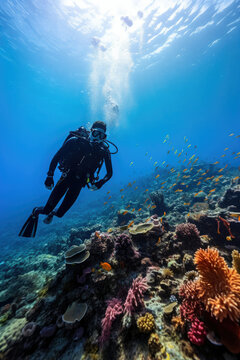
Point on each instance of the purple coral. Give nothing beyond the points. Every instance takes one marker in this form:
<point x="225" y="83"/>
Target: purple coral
<point x="124" y="249"/>
<point x="135" y="295"/>
<point x="114" y="309"/>
<point x="189" y="234"/>
<point x="101" y="245"/>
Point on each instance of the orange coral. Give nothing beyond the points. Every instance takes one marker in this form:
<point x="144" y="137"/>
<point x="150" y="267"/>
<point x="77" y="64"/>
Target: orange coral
<point x="178" y="323"/>
<point x="219" y="286"/>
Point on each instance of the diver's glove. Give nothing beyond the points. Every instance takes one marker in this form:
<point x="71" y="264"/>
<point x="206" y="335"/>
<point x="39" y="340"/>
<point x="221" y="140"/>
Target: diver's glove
<point x="49" y="183"/>
<point x="99" y="184"/>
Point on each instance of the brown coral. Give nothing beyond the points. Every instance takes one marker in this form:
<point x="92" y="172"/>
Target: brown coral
<point x="178" y="323"/>
<point x="166" y="273"/>
<point x="236" y="260"/>
<point x="218" y="285"/>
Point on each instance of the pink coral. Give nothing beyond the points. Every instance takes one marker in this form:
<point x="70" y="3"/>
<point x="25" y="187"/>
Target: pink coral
<point x="197" y="332"/>
<point x="190" y="307"/>
<point x="135" y="295"/>
<point x="114" y="309"/>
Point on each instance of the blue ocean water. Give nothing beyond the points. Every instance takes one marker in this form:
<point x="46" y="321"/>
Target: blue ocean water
<point x="147" y="68"/>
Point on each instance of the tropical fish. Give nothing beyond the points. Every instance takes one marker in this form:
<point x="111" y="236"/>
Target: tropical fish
<point x="157" y="176"/>
<point x="186" y="203"/>
<point x="159" y="240"/>
<point x="189" y="146"/>
<point x="110" y="230"/>
<point x="109" y="197"/>
<point x="153" y="206"/>
<point x="184" y="160"/>
<point x="221" y="170"/>
<point x="128" y="206"/>
<point x="199" y="183"/>
<point x="192" y="157"/>
<point x="136" y="188"/>
<point x="184" y="170"/>
<point x="98" y="235"/>
<point x="125" y="212"/>
<point x="146" y="200"/>
<point x="237" y="177"/>
<point x="216" y="162"/>
<point x="164" y="213"/>
<point x="163" y="183"/>
<point x="212" y="190"/>
<point x="129" y="184"/>
<point x="155" y="163"/>
<point x="226" y="149"/>
<point x="146" y="190"/>
<point x="130" y="224"/>
<point x="148" y="206"/>
<point x="175" y="152"/>
<point x="133" y="209"/>
<point x="163" y="162"/>
<point x="223" y="155"/>
<point x="150" y="158"/>
<point x="146" y="154"/>
<point x="108" y="192"/>
<point x="147" y="219"/>
<point x="122" y="196"/>
<point x="139" y="209"/>
<point x="228" y="238"/>
<point x="178" y="190"/>
<point x="106" y="266"/>
<point x="231" y="134"/>
<point x="105" y="203"/>
<point x="131" y="163"/>
<point x="121" y="190"/>
<point x="168" y="152"/>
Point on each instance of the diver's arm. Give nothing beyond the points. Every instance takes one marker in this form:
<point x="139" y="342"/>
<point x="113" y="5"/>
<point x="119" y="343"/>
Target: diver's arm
<point x="108" y="164"/>
<point x="67" y="146"/>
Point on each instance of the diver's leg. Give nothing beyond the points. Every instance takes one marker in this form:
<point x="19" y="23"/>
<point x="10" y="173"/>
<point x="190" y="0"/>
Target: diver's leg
<point x="56" y="195"/>
<point x="69" y="199"/>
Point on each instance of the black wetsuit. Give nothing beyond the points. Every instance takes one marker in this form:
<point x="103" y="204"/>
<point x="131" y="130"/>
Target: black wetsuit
<point x="79" y="159"/>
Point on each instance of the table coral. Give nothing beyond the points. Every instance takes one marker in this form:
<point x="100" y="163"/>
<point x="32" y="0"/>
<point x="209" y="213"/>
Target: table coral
<point x="218" y="285"/>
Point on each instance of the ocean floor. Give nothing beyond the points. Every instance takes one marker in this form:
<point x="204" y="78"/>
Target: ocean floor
<point x="153" y="272"/>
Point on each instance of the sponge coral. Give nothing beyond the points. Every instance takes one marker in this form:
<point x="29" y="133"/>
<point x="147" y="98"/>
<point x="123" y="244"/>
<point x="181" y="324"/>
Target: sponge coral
<point x="218" y="285"/>
<point x="146" y="323"/>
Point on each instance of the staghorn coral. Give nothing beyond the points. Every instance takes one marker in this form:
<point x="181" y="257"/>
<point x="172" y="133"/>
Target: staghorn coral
<point x="236" y="260"/>
<point x="135" y="295"/>
<point x="146" y="323"/>
<point x="113" y="310"/>
<point x="218" y="285"/>
<point x="197" y="333"/>
<point x="124" y="249"/>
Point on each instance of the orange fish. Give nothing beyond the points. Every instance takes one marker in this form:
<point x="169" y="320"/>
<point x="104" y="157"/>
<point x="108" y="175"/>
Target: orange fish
<point x="161" y="220"/>
<point x="148" y="206"/>
<point x="188" y="214"/>
<point x="130" y="224"/>
<point x="228" y="238"/>
<point x="186" y="203"/>
<point x="105" y="203"/>
<point x="147" y="219"/>
<point x="162" y="187"/>
<point x="216" y="162"/>
<point x="98" y="235"/>
<point x="109" y="197"/>
<point x="184" y="170"/>
<point x="146" y="190"/>
<point x="153" y="207"/>
<point x="199" y="183"/>
<point x="164" y="213"/>
<point x="121" y="190"/>
<point x="237" y="177"/>
<point x="212" y="190"/>
<point x="163" y="183"/>
<point x="223" y="155"/>
<point x="139" y="209"/>
<point x="159" y="240"/>
<point x="178" y="190"/>
<point x="221" y="170"/>
<point x="133" y="209"/>
<point x="146" y="200"/>
<point x="108" y="192"/>
<point x="157" y="176"/>
<point x="128" y="206"/>
<point x="106" y="266"/>
<point x="122" y="196"/>
<point x="125" y="212"/>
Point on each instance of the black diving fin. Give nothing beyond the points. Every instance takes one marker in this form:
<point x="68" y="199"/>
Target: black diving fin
<point x="30" y="227"/>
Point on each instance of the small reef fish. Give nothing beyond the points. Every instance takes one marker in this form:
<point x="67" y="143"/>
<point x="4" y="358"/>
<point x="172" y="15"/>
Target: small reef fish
<point x="231" y="134"/>
<point x="221" y="170"/>
<point x="163" y="162"/>
<point x="110" y="230"/>
<point x="130" y="224"/>
<point x="147" y="219"/>
<point x="129" y="184"/>
<point x="163" y="183"/>
<point x="223" y="155"/>
<point x="148" y="206"/>
<point x="106" y="266"/>
<point x="226" y="149"/>
<point x="128" y="206"/>
<point x="98" y="235"/>
<point x="178" y="190"/>
<point x="105" y="203"/>
<point x="136" y="188"/>
<point x="159" y="240"/>
<point x="184" y="170"/>
<point x="146" y="190"/>
<point x="131" y="163"/>
<point x="157" y="176"/>
<point x="146" y="200"/>
<point x="109" y="197"/>
<point x="164" y="213"/>
<point x="228" y="238"/>
<point x="212" y="190"/>
<point x="199" y="183"/>
<point x="155" y="163"/>
<point x="192" y="157"/>
<point x="153" y="206"/>
<point x="216" y="162"/>
<point x="189" y="146"/>
<point x="133" y="209"/>
<point x="108" y="192"/>
<point x="122" y="196"/>
<point x="237" y="177"/>
<point x="125" y="212"/>
<point x="121" y="190"/>
<point x="139" y="209"/>
<point x="186" y="203"/>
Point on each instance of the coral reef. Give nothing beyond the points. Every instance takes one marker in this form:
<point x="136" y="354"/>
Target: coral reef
<point x="124" y="250"/>
<point x="113" y="310"/>
<point x="134" y="297"/>
<point x="189" y="235"/>
<point x="236" y="260"/>
<point x="197" y="333"/>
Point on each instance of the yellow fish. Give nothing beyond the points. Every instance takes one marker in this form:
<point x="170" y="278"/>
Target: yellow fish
<point x="106" y="266"/>
<point x="131" y="163"/>
<point x="189" y="145"/>
<point x="226" y="149"/>
<point x="155" y="163"/>
<point x="163" y="162"/>
<point x="157" y="176"/>
<point x="192" y="157"/>
<point x="178" y="190"/>
<point x="186" y="203"/>
<point x="231" y="134"/>
<point x="110" y="230"/>
<point x="228" y="238"/>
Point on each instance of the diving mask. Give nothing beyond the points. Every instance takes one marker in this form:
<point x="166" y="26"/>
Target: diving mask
<point x="97" y="135"/>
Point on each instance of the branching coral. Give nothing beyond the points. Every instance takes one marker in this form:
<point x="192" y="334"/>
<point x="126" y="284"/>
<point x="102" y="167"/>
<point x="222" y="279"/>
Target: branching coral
<point x="218" y="285"/>
<point x="236" y="260"/>
<point x="197" y="333"/>
<point x="135" y="295"/>
<point x="190" y="308"/>
<point x="114" y="309"/>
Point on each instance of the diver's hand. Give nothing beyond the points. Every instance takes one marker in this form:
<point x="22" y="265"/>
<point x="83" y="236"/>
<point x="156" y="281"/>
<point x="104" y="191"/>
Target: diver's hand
<point x="99" y="184"/>
<point x="49" y="183"/>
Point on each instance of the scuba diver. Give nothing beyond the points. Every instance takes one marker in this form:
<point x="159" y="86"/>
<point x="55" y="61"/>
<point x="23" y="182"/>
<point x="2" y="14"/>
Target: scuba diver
<point x="80" y="160"/>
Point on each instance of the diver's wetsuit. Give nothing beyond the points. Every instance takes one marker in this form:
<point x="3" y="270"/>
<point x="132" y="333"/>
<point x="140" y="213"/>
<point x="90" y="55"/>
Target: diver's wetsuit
<point x="79" y="159"/>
